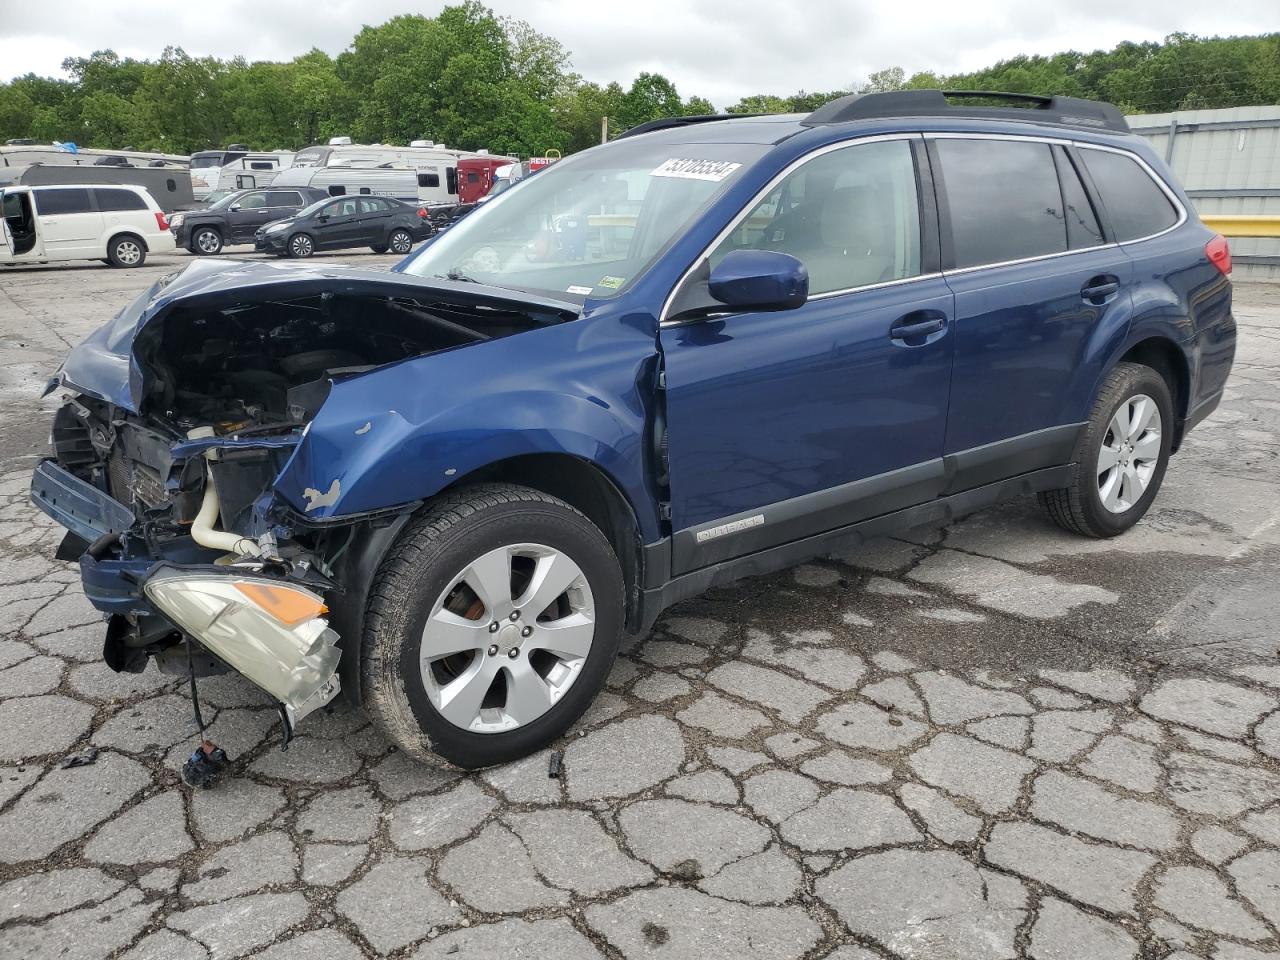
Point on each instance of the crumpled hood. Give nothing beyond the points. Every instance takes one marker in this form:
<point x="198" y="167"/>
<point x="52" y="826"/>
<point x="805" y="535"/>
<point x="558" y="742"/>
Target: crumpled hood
<point x="105" y="366"/>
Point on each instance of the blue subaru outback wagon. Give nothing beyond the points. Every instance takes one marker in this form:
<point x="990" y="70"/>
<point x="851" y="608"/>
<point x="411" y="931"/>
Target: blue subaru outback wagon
<point x="712" y="348"/>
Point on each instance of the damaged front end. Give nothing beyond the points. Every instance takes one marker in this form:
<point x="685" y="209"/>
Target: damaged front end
<point x="174" y="465"/>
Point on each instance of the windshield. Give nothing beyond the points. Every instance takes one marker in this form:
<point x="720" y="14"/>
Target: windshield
<point x="224" y="200"/>
<point x="200" y="160"/>
<point x="590" y="225"/>
<point x="307" y="211"/>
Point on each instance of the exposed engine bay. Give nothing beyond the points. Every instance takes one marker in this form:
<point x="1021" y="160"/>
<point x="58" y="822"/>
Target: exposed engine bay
<point x="172" y="509"/>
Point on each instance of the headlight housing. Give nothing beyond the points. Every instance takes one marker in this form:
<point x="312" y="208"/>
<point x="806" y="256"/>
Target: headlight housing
<point x="177" y="220"/>
<point x="276" y="228"/>
<point x="273" y="633"/>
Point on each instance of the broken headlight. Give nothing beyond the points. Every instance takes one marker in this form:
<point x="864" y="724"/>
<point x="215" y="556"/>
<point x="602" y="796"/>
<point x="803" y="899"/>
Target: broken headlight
<point x="273" y="633"/>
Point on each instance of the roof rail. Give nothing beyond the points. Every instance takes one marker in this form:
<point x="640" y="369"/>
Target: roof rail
<point x="666" y="123"/>
<point x="1069" y="111"/>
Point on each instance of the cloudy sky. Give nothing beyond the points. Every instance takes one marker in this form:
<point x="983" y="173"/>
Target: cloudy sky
<point x="721" y="50"/>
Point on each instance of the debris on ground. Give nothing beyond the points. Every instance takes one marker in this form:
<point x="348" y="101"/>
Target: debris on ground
<point x="205" y="767"/>
<point x="89" y="756"/>
<point x="555" y="764"/>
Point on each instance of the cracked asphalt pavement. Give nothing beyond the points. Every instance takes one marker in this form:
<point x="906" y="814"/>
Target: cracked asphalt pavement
<point x="990" y="740"/>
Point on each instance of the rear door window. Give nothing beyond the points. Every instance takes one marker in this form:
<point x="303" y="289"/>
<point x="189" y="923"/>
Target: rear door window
<point x="283" y="198"/>
<point x="1135" y="206"/>
<point x="73" y="200"/>
<point x="109" y="200"/>
<point x="1082" y="221"/>
<point x="1003" y="198"/>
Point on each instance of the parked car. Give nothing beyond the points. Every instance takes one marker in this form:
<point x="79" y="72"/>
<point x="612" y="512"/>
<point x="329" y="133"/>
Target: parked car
<point x="237" y="217"/>
<point x="700" y="352"/>
<point x="118" y="225"/>
<point x="377" y="222"/>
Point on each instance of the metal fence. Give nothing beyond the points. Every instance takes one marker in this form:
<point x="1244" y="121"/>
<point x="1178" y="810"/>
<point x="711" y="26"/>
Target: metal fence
<point x="1229" y="163"/>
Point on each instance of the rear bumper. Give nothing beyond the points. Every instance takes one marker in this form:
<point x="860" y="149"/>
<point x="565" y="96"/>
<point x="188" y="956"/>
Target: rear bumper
<point x="160" y="242"/>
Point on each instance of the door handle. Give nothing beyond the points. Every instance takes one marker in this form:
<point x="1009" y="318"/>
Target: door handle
<point x="916" y="325"/>
<point x="1099" y="290"/>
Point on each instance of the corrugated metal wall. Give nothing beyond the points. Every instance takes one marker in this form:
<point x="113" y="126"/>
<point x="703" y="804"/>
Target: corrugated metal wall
<point x="1229" y="162"/>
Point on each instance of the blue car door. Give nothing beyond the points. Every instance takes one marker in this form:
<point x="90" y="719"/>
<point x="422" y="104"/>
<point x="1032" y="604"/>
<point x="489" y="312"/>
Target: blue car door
<point x="784" y="425"/>
<point x="1037" y="290"/>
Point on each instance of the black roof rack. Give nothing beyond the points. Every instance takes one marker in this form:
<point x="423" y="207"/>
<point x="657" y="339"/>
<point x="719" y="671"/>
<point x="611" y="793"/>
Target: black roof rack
<point x="665" y="123"/>
<point x="1070" y="111"/>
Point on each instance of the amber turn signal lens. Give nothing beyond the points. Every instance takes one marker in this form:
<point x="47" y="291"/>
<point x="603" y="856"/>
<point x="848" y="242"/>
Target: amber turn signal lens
<point x="287" y="605"/>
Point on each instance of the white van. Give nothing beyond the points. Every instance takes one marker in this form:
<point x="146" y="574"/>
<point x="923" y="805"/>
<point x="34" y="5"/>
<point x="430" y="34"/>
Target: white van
<point x="117" y="224"/>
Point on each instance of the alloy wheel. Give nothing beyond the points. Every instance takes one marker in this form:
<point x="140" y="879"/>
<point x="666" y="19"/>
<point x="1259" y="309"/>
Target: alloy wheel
<point x="507" y="638"/>
<point x="1129" y="453"/>
<point x="301" y="246"/>
<point x="208" y="241"/>
<point x="401" y="242"/>
<point x="128" y="252"/>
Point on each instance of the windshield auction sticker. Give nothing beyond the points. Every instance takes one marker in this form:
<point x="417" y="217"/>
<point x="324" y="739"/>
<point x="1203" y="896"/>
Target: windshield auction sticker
<point x="714" y="170"/>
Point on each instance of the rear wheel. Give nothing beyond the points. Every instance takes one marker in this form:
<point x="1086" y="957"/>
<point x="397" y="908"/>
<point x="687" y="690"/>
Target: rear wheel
<point x="1121" y="456"/>
<point x="491" y="625"/>
<point x="301" y="245"/>
<point x="126" y="250"/>
<point x="378" y="248"/>
<point x="401" y="241"/>
<point x="206" y="241"/>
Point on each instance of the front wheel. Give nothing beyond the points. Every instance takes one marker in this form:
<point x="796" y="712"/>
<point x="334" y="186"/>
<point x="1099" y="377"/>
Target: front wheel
<point x="491" y="625"/>
<point x="301" y="246"/>
<point x="1121" y="456"/>
<point x="401" y="241"/>
<point x="126" y="251"/>
<point x="206" y="242"/>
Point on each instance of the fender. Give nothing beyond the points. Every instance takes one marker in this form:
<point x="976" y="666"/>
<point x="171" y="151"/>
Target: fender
<point x="1152" y="313"/>
<point x="403" y="433"/>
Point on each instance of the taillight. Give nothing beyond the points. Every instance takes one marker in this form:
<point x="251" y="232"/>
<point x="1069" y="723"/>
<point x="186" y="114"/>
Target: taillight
<point x="1219" y="254"/>
<point x="422" y="213"/>
<point x="161" y="222"/>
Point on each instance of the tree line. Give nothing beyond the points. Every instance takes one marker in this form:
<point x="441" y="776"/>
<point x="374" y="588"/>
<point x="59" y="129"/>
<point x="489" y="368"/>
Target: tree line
<point x="472" y="79"/>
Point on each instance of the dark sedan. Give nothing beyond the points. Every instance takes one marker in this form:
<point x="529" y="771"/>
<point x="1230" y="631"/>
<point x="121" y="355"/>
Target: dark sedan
<point x="380" y="223"/>
<point x="236" y="217"/>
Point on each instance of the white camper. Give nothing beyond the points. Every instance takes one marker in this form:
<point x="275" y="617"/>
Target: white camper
<point x="434" y="164"/>
<point x="350" y="180"/>
<point x="233" y="169"/>
<point x="24" y="154"/>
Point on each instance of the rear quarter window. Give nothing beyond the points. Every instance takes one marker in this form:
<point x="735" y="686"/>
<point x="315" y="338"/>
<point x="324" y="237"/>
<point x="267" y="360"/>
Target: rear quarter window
<point x="75" y="200"/>
<point x="1135" y="206"/>
<point x="109" y="200"/>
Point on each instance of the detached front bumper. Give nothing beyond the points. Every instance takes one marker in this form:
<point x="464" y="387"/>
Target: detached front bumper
<point x="270" y="629"/>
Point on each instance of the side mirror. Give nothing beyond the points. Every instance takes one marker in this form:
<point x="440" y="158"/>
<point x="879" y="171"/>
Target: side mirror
<point x="322" y="217"/>
<point x="759" y="280"/>
<point x="235" y="207"/>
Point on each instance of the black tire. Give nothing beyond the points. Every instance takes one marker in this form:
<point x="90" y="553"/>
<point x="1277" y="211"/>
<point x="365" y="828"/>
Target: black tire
<point x="300" y="246"/>
<point x="126" y="250"/>
<point x="1078" y="507"/>
<point x="450" y="534"/>
<point x="206" y="242"/>
<point x="379" y="248"/>
<point x="400" y="241"/>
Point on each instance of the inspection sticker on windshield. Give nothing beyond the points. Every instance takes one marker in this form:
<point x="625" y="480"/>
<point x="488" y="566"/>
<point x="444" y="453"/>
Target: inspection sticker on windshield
<point x="611" y="283"/>
<point x="714" y="170"/>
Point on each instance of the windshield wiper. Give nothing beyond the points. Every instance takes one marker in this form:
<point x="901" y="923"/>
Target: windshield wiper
<point x="456" y="274"/>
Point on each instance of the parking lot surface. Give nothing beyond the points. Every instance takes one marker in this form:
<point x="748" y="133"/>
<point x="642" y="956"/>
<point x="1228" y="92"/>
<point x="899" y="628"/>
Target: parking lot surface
<point x="991" y="740"/>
